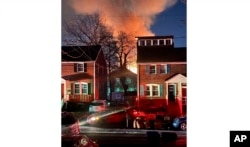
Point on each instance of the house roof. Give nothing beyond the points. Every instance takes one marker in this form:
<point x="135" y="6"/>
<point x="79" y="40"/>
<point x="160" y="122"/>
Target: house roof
<point x="154" y="37"/>
<point x="80" y="53"/>
<point x="123" y="72"/>
<point x="174" y="75"/>
<point x="152" y="54"/>
<point x="78" y="76"/>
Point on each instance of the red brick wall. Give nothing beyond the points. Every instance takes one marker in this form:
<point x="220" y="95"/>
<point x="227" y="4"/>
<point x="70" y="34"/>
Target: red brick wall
<point x="68" y="68"/>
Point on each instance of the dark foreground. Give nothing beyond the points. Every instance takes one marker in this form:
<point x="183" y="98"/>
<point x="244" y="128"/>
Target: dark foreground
<point x="151" y="138"/>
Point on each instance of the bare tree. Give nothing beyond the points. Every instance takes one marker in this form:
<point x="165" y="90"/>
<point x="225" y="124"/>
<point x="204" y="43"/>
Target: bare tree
<point x="125" y="50"/>
<point x="85" y="30"/>
<point x="91" y="30"/>
<point x="126" y="46"/>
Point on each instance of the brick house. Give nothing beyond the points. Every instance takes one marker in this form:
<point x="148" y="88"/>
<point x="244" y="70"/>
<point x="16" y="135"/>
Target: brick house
<point x="161" y="76"/>
<point x="116" y="87"/>
<point x="84" y="73"/>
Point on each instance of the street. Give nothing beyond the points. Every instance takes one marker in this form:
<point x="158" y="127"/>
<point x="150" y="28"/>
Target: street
<point x="135" y="137"/>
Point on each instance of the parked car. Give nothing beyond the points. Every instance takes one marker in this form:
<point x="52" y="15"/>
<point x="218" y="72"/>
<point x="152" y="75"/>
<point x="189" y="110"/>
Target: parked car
<point x="77" y="141"/>
<point x="180" y="123"/>
<point x="98" y="106"/>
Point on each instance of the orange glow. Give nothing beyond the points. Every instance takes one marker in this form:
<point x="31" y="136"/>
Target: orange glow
<point x="131" y="16"/>
<point x="133" y="69"/>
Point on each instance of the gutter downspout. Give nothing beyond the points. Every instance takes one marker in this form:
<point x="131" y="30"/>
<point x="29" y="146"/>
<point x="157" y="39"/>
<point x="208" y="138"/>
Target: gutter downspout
<point x="138" y="86"/>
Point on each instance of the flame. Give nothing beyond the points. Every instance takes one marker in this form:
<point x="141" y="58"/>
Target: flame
<point x="131" y="16"/>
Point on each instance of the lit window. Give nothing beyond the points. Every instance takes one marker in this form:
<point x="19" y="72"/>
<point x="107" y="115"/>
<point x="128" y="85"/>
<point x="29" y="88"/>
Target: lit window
<point x="152" y="90"/>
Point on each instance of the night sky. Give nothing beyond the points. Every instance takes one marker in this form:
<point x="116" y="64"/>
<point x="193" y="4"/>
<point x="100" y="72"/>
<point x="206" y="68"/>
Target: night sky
<point x="172" y="21"/>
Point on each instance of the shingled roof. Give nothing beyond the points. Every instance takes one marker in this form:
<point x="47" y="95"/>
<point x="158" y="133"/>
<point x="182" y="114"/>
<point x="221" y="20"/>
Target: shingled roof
<point x="80" y="53"/>
<point x="146" y="54"/>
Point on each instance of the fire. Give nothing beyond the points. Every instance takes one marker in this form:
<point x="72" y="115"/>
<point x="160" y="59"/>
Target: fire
<point x="132" y="16"/>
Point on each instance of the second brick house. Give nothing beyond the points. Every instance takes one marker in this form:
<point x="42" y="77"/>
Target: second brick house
<point x="161" y="76"/>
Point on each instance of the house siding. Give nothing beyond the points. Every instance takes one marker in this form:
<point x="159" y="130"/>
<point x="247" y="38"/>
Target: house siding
<point x="96" y="74"/>
<point x="158" y="78"/>
<point x="68" y="68"/>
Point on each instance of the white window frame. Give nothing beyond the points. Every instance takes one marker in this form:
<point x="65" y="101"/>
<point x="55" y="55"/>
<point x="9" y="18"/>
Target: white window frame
<point x="77" y="84"/>
<point x="84" y="88"/>
<point x="80" y="84"/>
<point x="80" y="69"/>
<point x="150" y="91"/>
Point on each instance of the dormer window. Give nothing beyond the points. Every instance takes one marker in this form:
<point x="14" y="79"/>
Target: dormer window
<point x="142" y="43"/>
<point x="168" y="42"/>
<point x="155" y="42"/>
<point x="161" y="42"/>
<point x="148" y="42"/>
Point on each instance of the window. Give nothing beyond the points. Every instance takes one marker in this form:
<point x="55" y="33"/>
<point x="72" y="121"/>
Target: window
<point x="80" y="67"/>
<point x="81" y="88"/>
<point x="164" y="68"/>
<point x="161" y="42"/>
<point x="168" y="42"/>
<point x="77" y="88"/>
<point x="128" y="81"/>
<point x="152" y="69"/>
<point x="142" y="42"/>
<point x="84" y="88"/>
<point x="148" y="42"/>
<point x="155" y="42"/>
<point x="152" y="90"/>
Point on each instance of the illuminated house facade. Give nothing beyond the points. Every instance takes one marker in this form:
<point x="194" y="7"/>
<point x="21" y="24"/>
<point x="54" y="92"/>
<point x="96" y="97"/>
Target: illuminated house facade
<point x="84" y="73"/>
<point x="161" y="74"/>
<point x="117" y="91"/>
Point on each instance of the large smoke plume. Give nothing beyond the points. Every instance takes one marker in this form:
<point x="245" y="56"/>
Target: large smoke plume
<point x="132" y="16"/>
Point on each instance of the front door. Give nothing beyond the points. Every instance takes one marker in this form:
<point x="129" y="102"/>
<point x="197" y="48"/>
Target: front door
<point x="184" y="99"/>
<point x="171" y="92"/>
